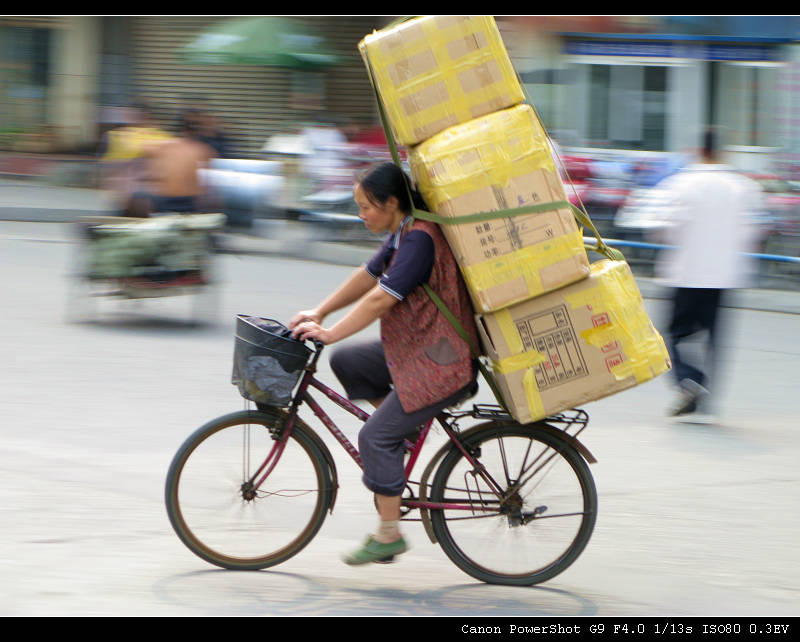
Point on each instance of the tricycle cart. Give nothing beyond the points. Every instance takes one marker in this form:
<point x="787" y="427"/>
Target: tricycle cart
<point x="132" y="258"/>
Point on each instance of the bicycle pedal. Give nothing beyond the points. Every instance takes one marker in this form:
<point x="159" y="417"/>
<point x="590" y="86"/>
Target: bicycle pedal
<point x="384" y="560"/>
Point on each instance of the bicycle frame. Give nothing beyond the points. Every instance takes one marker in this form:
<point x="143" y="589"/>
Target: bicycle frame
<point x="302" y="395"/>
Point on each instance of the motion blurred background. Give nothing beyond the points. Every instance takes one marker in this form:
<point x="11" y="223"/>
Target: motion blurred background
<point x="625" y="99"/>
<point x="695" y="520"/>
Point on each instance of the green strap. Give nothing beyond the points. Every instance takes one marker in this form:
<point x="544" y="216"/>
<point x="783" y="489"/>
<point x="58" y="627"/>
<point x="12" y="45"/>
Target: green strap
<point x="601" y="246"/>
<point x="487" y="374"/>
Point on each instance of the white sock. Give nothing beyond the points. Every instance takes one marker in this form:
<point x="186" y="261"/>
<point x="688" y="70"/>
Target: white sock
<point x="388" y="531"/>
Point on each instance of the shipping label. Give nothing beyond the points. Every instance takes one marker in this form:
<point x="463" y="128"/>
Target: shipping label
<point x="551" y="334"/>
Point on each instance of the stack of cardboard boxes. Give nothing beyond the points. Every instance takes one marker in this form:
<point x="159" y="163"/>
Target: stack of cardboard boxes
<point x="559" y="331"/>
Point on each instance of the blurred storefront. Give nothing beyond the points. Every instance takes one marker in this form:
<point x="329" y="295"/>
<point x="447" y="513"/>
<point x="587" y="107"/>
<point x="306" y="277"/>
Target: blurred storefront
<point x="48" y="82"/>
<point x="651" y="84"/>
<point x="658" y="93"/>
<point x="65" y="79"/>
<point x="253" y="102"/>
<point x="645" y="84"/>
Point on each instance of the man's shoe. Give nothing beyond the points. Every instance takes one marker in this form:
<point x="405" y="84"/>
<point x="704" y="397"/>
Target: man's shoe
<point x="685" y="404"/>
<point x="700" y="418"/>
<point x="689" y="397"/>
<point x="372" y="551"/>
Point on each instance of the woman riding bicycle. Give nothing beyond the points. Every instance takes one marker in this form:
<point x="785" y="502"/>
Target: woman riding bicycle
<point x="420" y="366"/>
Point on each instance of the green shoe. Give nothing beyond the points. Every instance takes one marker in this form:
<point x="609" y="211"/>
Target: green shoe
<point x="372" y="551"/>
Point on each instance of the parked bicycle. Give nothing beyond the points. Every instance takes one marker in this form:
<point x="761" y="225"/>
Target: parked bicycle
<point x="508" y="503"/>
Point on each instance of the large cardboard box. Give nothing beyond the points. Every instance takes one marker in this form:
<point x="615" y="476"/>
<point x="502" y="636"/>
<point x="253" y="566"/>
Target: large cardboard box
<point x="433" y="72"/>
<point x="583" y="342"/>
<point x="501" y="161"/>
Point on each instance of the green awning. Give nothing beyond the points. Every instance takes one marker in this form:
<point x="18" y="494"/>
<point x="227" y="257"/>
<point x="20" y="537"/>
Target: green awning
<point x="259" y="40"/>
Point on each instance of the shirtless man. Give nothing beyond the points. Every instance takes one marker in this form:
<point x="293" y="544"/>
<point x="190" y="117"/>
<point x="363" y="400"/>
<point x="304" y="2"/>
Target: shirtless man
<point x="173" y="173"/>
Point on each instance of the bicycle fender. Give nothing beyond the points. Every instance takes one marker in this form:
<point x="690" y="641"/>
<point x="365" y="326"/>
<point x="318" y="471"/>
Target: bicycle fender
<point x="545" y="427"/>
<point x="314" y="438"/>
<point x="326" y="453"/>
<point x="423" y="490"/>
<point x="570" y="439"/>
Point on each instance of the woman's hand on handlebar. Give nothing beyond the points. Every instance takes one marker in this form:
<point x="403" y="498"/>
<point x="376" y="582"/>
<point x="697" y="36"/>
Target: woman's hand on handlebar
<point x="305" y="315"/>
<point x="311" y="330"/>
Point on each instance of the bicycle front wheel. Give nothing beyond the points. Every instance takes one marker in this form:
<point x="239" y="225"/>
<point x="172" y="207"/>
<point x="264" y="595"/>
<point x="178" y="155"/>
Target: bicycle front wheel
<point x="523" y="513"/>
<point x="222" y="517"/>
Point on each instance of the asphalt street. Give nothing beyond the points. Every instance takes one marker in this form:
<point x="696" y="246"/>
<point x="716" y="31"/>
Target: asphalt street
<point x="694" y="520"/>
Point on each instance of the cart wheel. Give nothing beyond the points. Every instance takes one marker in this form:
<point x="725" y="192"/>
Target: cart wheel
<point x="205" y="305"/>
<point x="80" y="305"/>
<point x="206" y="299"/>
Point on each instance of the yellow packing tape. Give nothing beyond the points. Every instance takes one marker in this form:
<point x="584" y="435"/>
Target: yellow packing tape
<point x="535" y="403"/>
<point x="617" y="295"/>
<point x="506" y="323"/>
<point x="437" y="71"/>
<point x="487" y="152"/>
<point x="525" y="262"/>
<point x="520" y="361"/>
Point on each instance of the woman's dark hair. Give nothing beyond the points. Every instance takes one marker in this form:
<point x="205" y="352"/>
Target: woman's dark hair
<point x="383" y="180"/>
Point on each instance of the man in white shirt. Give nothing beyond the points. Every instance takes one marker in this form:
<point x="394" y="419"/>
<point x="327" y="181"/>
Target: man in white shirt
<point x="709" y="221"/>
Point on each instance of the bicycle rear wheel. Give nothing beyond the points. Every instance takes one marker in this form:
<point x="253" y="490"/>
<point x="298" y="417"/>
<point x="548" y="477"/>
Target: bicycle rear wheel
<point x="219" y="515"/>
<point x="532" y="504"/>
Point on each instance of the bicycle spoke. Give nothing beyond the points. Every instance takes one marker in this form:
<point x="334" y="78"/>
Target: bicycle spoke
<point x="523" y="482"/>
<point x="504" y="459"/>
<point x="223" y="517"/>
<point x="284" y="493"/>
<point x="539" y="522"/>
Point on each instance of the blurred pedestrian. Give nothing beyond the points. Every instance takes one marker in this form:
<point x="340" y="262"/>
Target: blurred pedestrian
<point x="207" y="125"/>
<point x="173" y="166"/>
<point x="123" y="156"/>
<point x="709" y="221"/>
<point x="327" y="162"/>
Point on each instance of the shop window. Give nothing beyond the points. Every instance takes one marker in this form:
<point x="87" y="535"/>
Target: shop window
<point x="546" y="88"/>
<point x="627" y="106"/>
<point x="746" y="103"/>
<point x="24" y="70"/>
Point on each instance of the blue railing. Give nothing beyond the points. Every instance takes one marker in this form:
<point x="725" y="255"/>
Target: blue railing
<point x="780" y="258"/>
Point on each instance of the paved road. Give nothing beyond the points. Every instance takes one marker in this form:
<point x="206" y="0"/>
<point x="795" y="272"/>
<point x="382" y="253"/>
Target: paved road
<point x="694" y="520"/>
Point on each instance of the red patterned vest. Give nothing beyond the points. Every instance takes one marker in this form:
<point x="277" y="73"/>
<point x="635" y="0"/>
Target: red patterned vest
<point x="427" y="359"/>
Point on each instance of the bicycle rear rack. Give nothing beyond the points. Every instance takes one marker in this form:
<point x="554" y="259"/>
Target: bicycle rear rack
<point x="567" y="420"/>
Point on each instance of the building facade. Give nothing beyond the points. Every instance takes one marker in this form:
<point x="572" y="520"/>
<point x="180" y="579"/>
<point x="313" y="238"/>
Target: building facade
<point x="67" y="78"/>
<point x="604" y="84"/>
<point x="653" y="85"/>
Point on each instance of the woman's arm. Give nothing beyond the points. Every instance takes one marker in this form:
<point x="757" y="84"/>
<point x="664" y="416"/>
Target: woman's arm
<point x="356" y="286"/>
<point x="370" y="308"/>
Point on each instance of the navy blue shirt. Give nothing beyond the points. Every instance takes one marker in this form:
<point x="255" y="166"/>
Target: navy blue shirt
<point x="412" y="264"/>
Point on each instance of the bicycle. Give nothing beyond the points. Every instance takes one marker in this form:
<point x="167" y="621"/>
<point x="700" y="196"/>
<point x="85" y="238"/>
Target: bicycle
<point x="508" y="503"/>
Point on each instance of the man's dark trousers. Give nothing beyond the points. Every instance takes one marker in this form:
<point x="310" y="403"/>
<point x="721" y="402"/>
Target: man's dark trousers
<point x="694" y="310"/>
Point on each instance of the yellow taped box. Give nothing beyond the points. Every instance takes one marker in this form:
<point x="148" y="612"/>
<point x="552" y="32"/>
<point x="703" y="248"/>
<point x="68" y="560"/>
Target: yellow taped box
<point x="433" y="72"/>
<point x="501" y="161"/>
<point x="583" y="342"/>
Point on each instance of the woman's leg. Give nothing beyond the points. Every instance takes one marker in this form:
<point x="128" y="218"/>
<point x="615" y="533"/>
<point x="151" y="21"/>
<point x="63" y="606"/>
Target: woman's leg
<point x="361" y="369"/>
<point x="389" y="513"/>
<point x="381" y="444"/>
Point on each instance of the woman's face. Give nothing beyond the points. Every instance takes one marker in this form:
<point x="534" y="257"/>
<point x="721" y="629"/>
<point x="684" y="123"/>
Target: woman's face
<point x="378" y="218"/>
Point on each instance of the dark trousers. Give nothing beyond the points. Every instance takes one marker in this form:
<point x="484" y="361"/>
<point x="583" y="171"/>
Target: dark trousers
<point x="361" y="369"/>
<point x="694" y="310"/>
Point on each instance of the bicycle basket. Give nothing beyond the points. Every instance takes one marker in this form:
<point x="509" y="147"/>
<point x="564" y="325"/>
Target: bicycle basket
<point x="267" y="361"/>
